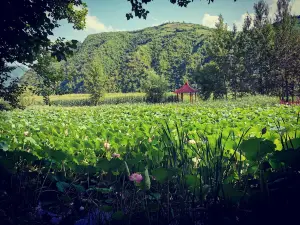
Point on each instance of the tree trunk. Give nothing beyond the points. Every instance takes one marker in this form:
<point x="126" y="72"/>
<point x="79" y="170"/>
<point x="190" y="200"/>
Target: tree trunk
<point x="286" y="90"/>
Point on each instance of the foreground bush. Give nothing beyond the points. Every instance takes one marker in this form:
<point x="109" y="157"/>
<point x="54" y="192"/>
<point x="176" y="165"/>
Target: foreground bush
<point x="154" y="86"/>
<point x="185" y="181"/>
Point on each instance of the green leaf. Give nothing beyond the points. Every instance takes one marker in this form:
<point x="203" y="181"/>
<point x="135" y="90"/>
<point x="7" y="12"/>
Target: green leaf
<point x="289" y="157"/>
<point x="257" y="148"/>
<point x="154" y="196"/>
<point x="103" y="164"/>
<point x="160" y="174"/>
<point x="26" y="155"/>
<point x="192" y="181"/>
<point x="62" y="186"/>
<point x="146" y="180"/>
<point x="75" y="145"/>
<point x="3" y="146"/>
<point x="118" y="215"/>
<point x="102" y="190"/>
<point x="57" y="155"/>
<point x="30" y="140"/>
<point x="127" y="169"/>
<point x="79" y="188"/>
<point x="106" y="208"/>
<point x="87" y="144"/>
<point x="294" y="143"/>
<point x="115" y="164"/>
<point x="231" y="194"/>
<point x="153" y="207"/>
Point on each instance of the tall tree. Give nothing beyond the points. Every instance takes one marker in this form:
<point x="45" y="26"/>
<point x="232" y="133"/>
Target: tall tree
<point x="96" y="80"/>
<point x="136" y="64"/>
<point x="27" y="24"/>
<point x="25" y="28"/>
<point x="287" y="50"/>
<point x="155" y="86"/>
<point x="263" y="36"/>
<point x="49" y="76"/>
<point x="218" y="49"/>
<point x="207" y="78"/>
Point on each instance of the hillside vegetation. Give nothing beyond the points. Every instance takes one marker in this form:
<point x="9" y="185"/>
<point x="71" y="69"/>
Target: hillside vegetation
<point x="171" y="49"/>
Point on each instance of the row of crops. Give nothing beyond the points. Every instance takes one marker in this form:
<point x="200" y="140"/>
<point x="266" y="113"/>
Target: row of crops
<point x="163" y="164"/>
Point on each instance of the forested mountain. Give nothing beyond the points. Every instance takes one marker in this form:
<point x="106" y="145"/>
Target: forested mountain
<point x="171" y="49"/>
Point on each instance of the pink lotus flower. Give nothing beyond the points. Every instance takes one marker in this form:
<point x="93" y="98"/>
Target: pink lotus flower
<point x="192" y="142"/>
<point x="106" y="145"/>
<point x="116" y="155"/>
<point x="136" y="177"/>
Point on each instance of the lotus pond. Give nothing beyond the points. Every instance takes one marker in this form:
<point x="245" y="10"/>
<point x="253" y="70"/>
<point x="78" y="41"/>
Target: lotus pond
<point x="163" y="164"/>
<point x="82" y="131"/>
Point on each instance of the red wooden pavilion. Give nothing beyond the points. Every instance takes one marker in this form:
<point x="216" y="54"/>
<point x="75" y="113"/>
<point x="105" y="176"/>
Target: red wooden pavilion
<point x="186" y="88"/>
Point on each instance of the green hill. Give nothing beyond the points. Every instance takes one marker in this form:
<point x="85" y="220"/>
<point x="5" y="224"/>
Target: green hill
<point x="17" y="72"/>
<point x="171" y="49"/>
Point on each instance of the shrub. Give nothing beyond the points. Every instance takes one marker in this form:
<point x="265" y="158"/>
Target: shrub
<point x="27" y="98"/>
<point x="95" y="81"/>
<point x="4" y="105"/>
<point x="155" y="86"/>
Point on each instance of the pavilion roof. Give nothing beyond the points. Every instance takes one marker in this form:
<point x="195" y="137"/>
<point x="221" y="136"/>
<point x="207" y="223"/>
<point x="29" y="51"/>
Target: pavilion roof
<point x="186" y="88"/>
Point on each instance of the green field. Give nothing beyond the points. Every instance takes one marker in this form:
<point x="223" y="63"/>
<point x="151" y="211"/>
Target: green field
<point x="82" y="131"/>
<point x="149" y="152"/>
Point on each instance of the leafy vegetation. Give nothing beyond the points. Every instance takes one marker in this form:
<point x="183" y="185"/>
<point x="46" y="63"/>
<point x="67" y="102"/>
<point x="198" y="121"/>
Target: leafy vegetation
<point x="155" y="87"/>
<point x="218" y="60"/>
<point x="228" y="161"/>
<point x="25" y="32"/>
<point x="47" y="75"/>
<point x="143" y="162"/>
<point x="95" y="81"/>
<point x="140" y="12"/>
<point x="172" y="50"/>
<point x="261" y="59"/>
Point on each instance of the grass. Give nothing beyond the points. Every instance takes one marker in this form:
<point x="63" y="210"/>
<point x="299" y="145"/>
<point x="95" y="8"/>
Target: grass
<point x="86" y="96"/>
<point x="118" y="98"/>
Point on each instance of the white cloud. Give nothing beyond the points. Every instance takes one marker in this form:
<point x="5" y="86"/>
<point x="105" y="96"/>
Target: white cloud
<point x="159" y="23"/>
<point x="239" y="23"/>
<point x="209" y="20"/>
<point x="296" y="7"/>
<point x="272" y="8"/>
<point x="93" y="24"/>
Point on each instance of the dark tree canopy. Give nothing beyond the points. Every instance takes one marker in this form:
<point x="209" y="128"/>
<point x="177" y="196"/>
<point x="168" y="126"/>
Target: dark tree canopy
<point x="139" y="10"/>
<point x="26" y="24"/>
<point x="25" y="28"/>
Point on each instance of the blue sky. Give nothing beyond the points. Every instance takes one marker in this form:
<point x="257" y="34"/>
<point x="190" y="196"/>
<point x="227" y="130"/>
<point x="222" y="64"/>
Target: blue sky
<point x="109" y="15"/>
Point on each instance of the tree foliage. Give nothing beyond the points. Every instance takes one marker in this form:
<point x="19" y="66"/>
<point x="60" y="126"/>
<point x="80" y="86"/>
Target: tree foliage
<point x="27" y="24"/>
<point x="25" y="29"/>
<point x="171" y="49"/>
<point x="155" y="86"/>
<point x="95" y="80"/>
<point x="48" y="76"/>
<point x="137" y="7"/>
<point x="208" y="77"/>
<point x="261" y="59"/>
